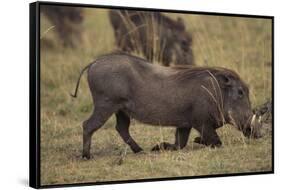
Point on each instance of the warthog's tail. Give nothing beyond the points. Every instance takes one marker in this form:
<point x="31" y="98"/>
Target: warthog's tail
<point x="78" y="81"/>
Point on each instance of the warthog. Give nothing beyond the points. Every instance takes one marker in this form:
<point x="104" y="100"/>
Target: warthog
<point x="202" y="98"/>
<point x="156" y="36"/>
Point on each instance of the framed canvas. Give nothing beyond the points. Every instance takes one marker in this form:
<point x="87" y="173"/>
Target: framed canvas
<point x="121" y="94"/>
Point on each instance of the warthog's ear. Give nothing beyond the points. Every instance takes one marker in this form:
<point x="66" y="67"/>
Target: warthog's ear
<point x="224" y="80"/>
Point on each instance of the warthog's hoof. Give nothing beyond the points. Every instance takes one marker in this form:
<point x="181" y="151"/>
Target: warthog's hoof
<point x="198" y="140"/>
<point x="137" y="150"/>
<point x="141" y="152"/>
<point x="87" y="157"/>
<point x="164" y="146"/>
<point x="216" y="143"/>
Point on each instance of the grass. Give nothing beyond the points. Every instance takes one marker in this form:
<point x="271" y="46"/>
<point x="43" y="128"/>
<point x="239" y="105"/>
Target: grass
<point x="242" y="44"/>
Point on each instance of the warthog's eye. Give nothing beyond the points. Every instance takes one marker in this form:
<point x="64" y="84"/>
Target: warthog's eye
<point x="184" y="43"/>
<point x="240" y="93"/>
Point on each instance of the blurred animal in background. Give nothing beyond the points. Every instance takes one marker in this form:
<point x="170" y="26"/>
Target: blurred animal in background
<point x="67" y="22"/>
<point x="153" y="35"/>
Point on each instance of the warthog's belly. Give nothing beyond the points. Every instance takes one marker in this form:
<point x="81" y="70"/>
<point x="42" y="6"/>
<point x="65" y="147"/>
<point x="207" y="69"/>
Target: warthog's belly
<point x="159" y="109"/>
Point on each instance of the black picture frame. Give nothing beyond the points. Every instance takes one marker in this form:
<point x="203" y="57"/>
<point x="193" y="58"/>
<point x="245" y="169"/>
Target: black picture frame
<point x="34" y="91"/>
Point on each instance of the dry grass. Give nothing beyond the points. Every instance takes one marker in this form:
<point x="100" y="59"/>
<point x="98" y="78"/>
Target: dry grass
<point x="241" y="44"/>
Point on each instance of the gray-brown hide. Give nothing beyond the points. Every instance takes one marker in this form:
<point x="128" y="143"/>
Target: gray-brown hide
<point x="154" y="35"/>
<point x="182" y="97"/>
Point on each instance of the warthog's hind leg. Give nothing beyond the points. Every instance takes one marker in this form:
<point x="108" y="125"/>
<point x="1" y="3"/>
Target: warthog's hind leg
<point x="100" y="115"/>
<point x="122" y="126"/>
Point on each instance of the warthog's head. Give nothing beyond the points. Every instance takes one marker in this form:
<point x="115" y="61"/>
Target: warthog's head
<point x="236" y="105"/>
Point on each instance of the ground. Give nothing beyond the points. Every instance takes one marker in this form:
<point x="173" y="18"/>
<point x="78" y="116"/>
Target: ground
<point x="241" y="44"/>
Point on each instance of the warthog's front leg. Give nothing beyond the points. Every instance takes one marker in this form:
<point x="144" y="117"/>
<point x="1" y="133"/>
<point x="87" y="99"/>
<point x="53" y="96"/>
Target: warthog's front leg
<point x="182" y="135"/>
<point x="209" y="137"/>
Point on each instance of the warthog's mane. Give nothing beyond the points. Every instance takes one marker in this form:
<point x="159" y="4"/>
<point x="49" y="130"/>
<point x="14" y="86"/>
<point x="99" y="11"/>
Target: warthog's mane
<point x="185" y="73"/>
<point x="191" y="72"/>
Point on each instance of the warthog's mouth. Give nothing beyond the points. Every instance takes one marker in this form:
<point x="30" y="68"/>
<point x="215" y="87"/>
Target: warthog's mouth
<point x="253" y="129"/>
<point x="250" y="127"/>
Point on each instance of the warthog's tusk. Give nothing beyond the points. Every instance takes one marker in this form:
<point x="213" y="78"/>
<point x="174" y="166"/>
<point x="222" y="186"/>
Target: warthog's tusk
<point x="253" y="119"/>
<point x="259" y="119"/>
